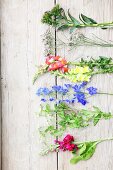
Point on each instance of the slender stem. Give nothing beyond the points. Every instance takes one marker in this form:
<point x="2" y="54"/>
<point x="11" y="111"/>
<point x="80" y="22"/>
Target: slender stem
<point x="105" y="93"/>
<point x="99" y="141"/>
<point x="77" y="64"/>
<point x="93" y="25"/>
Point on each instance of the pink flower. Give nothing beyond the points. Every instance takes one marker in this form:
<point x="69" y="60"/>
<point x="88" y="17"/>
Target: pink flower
<point x="56" y="63"/>
<point x="68" y="139"/>
<point x="70" y="147"/>
<point x="67" y="144"/>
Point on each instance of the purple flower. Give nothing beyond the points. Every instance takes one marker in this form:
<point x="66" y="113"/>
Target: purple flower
<point x="43" y="91"/>
<point x="76" y="88"/>
<point x="60" y="89"/>
<point x="51" y="99"/>
<point x="68" y="85"/>
<point x="83" y="84"/>
<point x="81" y="98"/>
<point x="43" y="100"/>
<point x="92" y="90"/>
<point x="56" y="88"/>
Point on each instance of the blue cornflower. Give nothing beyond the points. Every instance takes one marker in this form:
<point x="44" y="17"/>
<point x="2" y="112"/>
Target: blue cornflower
<point x="76" y="88"/>
<point x="56" y="88"/>
<point x="92" y="90"/>
<point x="60" y="89"/>
<point x="51" y="99"/>
<point x="68" y="85"/>
<point x="73" y="100"/>
<point x="67" y="101"/>
<point x="83" y="101"/>
<point x="83" y="84"/>
<point x="64" y="91"/>
<point x="60" y="101"/>
<point x="43" y="100"/>
<point x="81" y="98"/>
<point x="39" y="91"/>
<point x="43" y="91"/>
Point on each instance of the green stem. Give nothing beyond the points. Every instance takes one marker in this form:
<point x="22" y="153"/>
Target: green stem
<point x="93" y="25"/>
<point x="99" y="141"/>
<point x="105" y="93"/>
<point x="78" y="64"/>
<point x="100" y="72"/>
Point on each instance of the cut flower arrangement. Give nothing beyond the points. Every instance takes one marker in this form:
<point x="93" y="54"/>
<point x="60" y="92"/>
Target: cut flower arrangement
<point x="75" y="71"/>
<point x="58" y="102"/>
<point x="81" y="151"/>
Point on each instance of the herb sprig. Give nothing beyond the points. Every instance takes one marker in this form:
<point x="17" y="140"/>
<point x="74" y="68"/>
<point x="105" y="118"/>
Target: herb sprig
<point x="58" y="18"/>
<point x="70" y="118"/>
<point x="75" y="40"/>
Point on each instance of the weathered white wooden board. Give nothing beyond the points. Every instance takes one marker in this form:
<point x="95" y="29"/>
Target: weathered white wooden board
<point x="22" y="49"/>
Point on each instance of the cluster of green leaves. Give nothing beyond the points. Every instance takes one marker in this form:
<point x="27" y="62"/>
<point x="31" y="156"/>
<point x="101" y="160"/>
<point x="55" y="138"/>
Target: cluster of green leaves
<point x="86" y="150"/>
<point x="57" y="18"/>
<point x="101" y="65"/>
<point x="70" y="118"/>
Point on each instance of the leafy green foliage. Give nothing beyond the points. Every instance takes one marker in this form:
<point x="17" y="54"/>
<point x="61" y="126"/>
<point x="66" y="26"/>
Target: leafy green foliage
<point x="70" y="118"/>
<point x="86" y="20"/>
<point x="85" y="152"/>
<point x="57" y="18"/>
<point x="101" y="65"/>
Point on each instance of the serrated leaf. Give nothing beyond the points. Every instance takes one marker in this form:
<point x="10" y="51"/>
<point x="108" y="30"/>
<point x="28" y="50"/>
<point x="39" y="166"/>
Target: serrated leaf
<point x="87" y="20"/>
<point x="75" y="21"/>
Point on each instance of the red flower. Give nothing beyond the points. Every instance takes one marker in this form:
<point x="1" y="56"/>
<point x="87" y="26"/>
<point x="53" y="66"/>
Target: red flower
<point x="68" y="139"/>
<point x="49" y="60"/>
<point x="64" y="69"/>
<point x="70" y="147"/>
<point x="67" y="144"/>
<point x="56" y="63"/>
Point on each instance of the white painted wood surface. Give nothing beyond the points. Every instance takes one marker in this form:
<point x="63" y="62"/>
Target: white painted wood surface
<point x="22" y="49"/>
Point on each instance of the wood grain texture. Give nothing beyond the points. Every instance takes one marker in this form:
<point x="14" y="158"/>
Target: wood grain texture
<point x="22" y="49"/>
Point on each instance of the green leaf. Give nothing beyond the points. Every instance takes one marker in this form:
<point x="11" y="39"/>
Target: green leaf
<point x="87" y="20"/>
<point x="72" y="29"/>
<point x="86" y="151"/>
<point x="75" y="159"/>
<point x="63" y="27"/>
<point x="82" y="149"/>
<point x="75" y="21"/>
<point x="90" y="149"/>
<point x="96" y="119"/>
